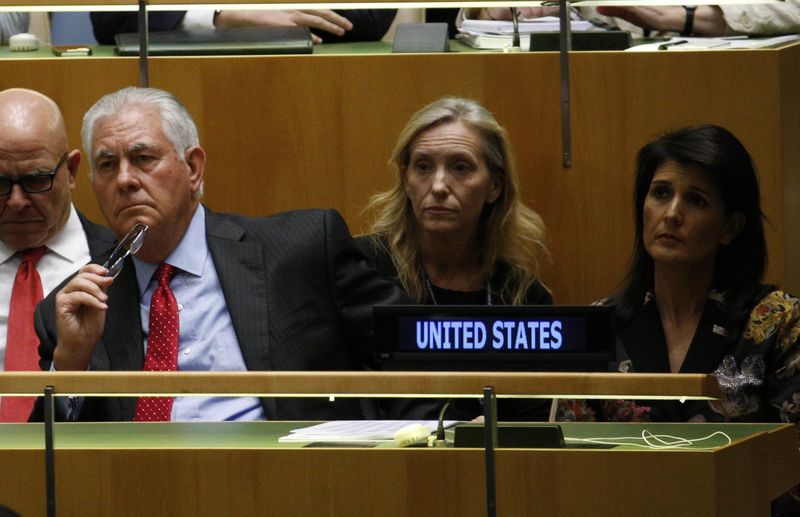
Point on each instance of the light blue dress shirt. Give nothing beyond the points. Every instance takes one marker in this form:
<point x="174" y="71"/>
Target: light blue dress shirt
<point x="207" y="338"/>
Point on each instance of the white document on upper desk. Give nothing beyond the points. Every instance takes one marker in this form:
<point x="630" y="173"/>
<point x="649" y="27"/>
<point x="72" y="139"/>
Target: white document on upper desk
<point x="725" y="43"/>
<point x="543" y="24"/>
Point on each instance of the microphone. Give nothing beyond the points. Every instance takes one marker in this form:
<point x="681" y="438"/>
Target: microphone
<point x="440" y="439"/>
<point x="515" y="22"/>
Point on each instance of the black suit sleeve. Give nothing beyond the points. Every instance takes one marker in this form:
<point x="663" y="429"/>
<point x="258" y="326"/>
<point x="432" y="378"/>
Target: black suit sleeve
<point x="368" y="25"/>
<point x="106" y="25"/>
<point x="356" y="286"/>
<point x="378" y="256"/>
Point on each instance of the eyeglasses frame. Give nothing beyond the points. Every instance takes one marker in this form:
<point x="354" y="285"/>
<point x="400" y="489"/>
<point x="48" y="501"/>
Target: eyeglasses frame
<point x="129" y="245"/>
<point x="20" y="181"/>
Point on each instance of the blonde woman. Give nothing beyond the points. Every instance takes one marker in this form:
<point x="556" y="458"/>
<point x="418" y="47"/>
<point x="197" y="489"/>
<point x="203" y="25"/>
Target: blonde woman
<point x="453" y="229"/>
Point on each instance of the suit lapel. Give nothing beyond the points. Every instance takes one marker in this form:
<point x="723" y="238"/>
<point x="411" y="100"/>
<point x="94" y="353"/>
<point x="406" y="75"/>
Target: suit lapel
<point x="710" y="341"/>
<point x="120" y="348"/>
<point x="123" y="331"/>
<point x="240" y="267"/>
<point x="644" y="341"/>
<point x="100" y="239"/>
<point x="122" y="337"/>
<point x="646" y="345"/>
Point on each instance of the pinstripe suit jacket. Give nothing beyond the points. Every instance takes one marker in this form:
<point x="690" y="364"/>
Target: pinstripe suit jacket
<point x="299" y="294"/>
<point x="99" y="238"/>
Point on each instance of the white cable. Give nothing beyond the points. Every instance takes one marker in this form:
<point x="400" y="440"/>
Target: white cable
<point x="656" y="441"/>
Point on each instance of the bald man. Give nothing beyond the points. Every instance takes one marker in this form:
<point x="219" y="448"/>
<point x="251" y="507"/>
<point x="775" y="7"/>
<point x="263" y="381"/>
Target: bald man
<point x="38" y="225"/>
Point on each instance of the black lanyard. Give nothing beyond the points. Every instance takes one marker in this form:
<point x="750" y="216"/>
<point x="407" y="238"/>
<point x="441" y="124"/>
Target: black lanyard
<point x="429" y="287"/>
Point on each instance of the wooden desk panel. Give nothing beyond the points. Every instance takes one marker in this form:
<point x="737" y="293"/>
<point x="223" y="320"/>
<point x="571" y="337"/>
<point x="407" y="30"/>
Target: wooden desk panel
<point x="233" y="469"/>
<point x="285" y="132"/>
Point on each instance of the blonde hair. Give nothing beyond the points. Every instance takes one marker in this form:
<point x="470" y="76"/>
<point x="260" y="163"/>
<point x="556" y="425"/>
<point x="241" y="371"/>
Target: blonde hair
<point x="509" y="231"/>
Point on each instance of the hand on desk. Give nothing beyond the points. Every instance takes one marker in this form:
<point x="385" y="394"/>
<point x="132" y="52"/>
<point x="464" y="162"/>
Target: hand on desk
<point x="80" y="317"/>
<point x="320" y="19"/>
<point x="504" y="13"/>
<point x="708" y="19"/>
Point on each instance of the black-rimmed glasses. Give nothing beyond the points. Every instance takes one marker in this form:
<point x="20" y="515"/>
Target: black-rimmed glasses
<point x="34" y="183"/>
<point x="130" y="244"/>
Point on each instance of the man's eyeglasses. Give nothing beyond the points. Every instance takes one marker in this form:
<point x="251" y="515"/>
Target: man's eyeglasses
<point x="130" y="244"/>
<point x="35" y="183"/>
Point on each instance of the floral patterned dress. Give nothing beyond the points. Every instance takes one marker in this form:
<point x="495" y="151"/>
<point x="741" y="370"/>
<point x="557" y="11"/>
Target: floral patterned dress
<point x="758" y="371"/>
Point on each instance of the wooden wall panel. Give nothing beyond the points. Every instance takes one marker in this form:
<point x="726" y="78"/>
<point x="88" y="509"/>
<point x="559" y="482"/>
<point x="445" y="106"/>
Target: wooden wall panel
<point x="286" y="132"/>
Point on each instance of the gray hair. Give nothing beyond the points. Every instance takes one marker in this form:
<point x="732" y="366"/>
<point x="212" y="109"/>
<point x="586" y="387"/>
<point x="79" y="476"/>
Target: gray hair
<point x="176" y="122"/>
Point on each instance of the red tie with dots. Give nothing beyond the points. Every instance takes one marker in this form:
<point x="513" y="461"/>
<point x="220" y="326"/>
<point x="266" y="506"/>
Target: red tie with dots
<point x="22" y="352"/>
<point x="162" y="346"/>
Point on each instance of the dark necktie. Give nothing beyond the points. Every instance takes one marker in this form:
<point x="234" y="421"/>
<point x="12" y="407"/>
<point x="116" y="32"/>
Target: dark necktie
<point x="22" y="352"/>
<point x="162" y="346"/>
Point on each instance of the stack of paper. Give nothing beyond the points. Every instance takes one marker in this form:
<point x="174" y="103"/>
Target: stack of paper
<point x="497" y="34"/>
<point x="354" y="431"/>
<point x="680" y="43"/>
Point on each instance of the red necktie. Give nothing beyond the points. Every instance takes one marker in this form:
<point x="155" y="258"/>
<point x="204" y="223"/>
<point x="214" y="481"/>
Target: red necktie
<point x="162" y="346"/>
<point x="22" y="353"/>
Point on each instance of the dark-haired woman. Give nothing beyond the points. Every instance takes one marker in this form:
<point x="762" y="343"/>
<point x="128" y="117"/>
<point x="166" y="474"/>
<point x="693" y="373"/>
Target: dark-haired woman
<point x="693" y="300"/>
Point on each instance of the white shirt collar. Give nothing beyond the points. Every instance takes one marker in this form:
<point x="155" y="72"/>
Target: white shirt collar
<point x="186" y="256"/>
<point x="64" y="242"/>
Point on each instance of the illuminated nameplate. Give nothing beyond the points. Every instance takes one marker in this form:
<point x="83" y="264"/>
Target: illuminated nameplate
<point x="486" y="334"/>
<point x="501" y="334"/>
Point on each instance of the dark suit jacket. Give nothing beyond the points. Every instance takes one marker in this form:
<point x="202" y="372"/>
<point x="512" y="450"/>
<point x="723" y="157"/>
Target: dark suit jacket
<point x="368" y="24"/>
<point x="100" y="239"/>
<point x="299" y="294"/>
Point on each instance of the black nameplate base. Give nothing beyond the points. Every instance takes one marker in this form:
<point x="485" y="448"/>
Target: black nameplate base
<point x="588" y="40"/>
<point x="512" y="436"/>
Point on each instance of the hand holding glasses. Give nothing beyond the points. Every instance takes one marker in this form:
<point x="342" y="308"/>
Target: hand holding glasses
<point x="131" y="244"/>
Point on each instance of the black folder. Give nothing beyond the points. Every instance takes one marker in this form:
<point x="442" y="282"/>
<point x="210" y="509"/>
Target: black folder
<point x="205" y="42"/>
<point x="582" y="40"/>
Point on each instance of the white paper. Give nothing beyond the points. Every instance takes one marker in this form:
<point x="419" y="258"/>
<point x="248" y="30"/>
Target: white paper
<point x="714" y="43"/>
<point x="354" y="431"/>
<point x="543" y="24"/>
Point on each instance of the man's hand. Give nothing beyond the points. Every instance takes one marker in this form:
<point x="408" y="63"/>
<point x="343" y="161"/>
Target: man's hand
<point x="80" y="317"/>
<point x="708" y="19"/>
<point x="667" y="19"/>
<point x="504" y="13"/>
<point x="319" y="19"/>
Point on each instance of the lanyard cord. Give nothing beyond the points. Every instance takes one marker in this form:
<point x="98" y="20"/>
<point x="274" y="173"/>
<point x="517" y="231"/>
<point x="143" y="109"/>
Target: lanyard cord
<point x="429" y="287"/>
